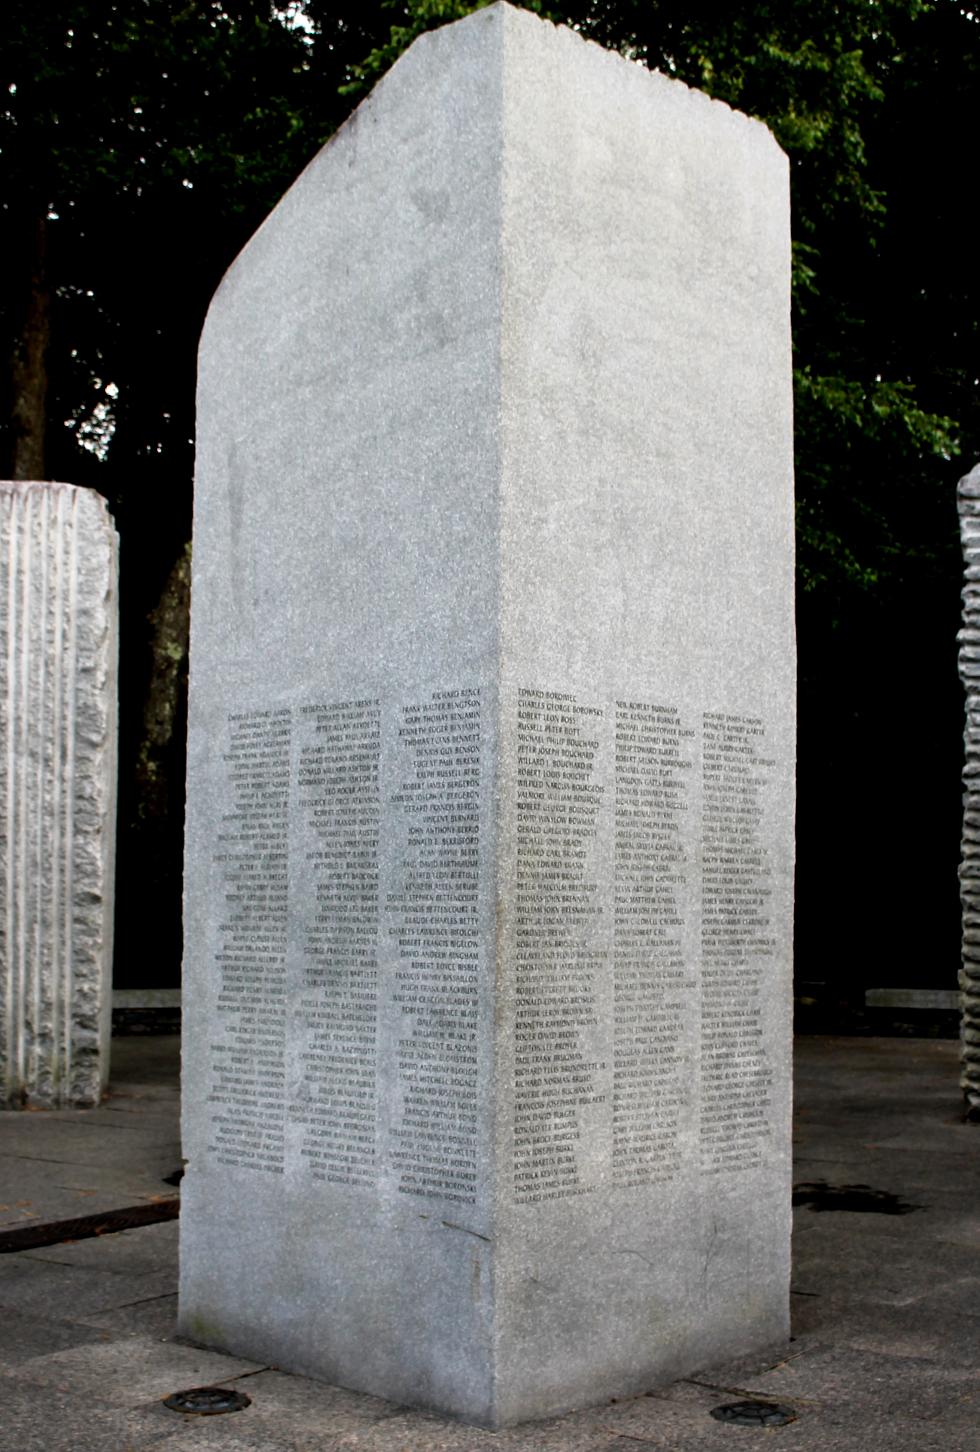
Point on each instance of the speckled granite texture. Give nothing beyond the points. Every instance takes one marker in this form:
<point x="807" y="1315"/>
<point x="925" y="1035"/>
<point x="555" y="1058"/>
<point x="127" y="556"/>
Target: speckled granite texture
<point x="491" y="752"/>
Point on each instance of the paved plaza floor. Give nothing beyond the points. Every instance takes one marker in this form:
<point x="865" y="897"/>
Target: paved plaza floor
<point x="886" y="1306"/>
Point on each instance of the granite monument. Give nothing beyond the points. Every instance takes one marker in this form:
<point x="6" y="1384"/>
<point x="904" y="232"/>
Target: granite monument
<point x="491" y="752"/>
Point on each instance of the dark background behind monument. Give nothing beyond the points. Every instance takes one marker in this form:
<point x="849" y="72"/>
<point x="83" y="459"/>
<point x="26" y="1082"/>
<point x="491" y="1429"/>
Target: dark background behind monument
<point x="144" y="143"/>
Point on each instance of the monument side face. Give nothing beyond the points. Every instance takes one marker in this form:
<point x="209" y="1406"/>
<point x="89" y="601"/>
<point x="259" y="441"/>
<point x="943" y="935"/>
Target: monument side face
<point x="58" y="692"/>
<point x="647" y="690"/>
<point x="489" y="846"/>
<point x="339" y="885"/>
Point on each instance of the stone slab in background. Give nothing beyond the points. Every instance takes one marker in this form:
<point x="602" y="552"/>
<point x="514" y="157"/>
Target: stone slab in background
<point x="926" y="999"/>
<point x="145" y="1011"/>
<point x="490" y="783"/>
<point x="58" y="688"/>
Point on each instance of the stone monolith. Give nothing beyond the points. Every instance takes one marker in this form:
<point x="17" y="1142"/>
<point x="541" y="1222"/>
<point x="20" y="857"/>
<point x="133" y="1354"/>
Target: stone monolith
<point x="58" y="654"/>
<point x="491" y="754"/>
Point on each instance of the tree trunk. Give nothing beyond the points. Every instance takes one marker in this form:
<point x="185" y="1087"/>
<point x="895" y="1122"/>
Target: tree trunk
<point x="29" y="373"/>
<point x="170" y="624"/>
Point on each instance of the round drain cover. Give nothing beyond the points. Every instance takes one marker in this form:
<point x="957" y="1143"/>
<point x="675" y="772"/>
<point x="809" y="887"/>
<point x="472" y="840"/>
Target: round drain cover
<point x="207" y="1401"/>
<point x="754" y="1414"/>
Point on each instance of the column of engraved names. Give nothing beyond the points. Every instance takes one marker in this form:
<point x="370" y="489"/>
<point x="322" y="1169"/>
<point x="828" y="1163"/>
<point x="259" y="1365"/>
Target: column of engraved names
<point x="336" y="1100"/>
<point x="652" y="984"/>
<point x="248" y="1059"/>
<point x="737" y="946"/>
<point x="559" y="956"/>
<point x="434" y="900"/>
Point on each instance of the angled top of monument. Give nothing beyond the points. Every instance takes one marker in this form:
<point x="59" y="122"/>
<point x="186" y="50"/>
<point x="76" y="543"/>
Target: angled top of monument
<point x="495" y="40"/>
<point x="506" y="184"/>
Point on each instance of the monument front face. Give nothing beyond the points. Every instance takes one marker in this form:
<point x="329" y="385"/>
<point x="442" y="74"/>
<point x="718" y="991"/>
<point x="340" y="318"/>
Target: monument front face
<point x="491" y="746"/>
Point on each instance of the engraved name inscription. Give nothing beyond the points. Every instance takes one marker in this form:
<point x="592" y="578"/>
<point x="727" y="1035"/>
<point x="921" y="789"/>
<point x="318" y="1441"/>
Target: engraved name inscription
<point x="432" y="910"/>
<point x="338" y="794"/>
<point x="559" y="951"/>
<point x="737" y="943"/>
<point x="349" y="979"/>
<point x="654" y="985"/>
<point x="248" y="1056"/>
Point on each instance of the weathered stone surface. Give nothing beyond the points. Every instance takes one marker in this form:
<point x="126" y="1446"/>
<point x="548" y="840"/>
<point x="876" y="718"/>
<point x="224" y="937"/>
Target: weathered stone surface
<point x="490" y="787"/>
<point x="968" y="500"/>
<point x="58" y="649"/>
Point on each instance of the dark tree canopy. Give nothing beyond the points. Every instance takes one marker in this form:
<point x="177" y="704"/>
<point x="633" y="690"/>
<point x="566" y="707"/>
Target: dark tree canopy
<point x="142" y="141"/>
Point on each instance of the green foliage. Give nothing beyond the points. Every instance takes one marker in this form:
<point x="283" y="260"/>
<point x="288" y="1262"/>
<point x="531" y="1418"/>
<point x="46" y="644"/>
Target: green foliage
<point x="154" y="135"/>
<point x="850" y="537"/>
<point x="822" y="76"/>
<point x="138" y="115"/>
<point x="870" y="99"/>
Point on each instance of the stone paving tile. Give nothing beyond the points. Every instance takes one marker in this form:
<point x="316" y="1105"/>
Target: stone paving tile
<point x="214" y="1432"/>
<point x="286" y="1411"/>
<point x="152" y="1106"/>
<point x="954" y="1224"/>
<point x="929" y="1123"/>
<point x="947" y="1137"/>
<point x="739" y="1372"/>
<point x="676" y="1419"/>
<point x="126" y="1185"/>
<point x="882" y="1117"/>
<point x="866" y="1155"/>
<point x="679" y="1419"/>
<point x="155" y="1317"/>
<point x="688" y="1427"/>
<point x="23" y="1336"/>
<point x="64" y="1292"/>
<point x="414" y="1431"/>
<point x="962" y="1299"/>
<point x="130" y="1372"/>
<point x="27" y="1192"/>
<point x="884" y="1352"/>
<point x="56" y="1191"/>
<point x="905" y="1386"/>
<point x="111" y="1140"/>
<point x="310" y="1418"/>
<point x="124" y="1252"/>
<point x="859" y="1269"/>
<point x="832" y="1159"/>
<point x="920" y="1332"/>
<point x="307" y="1405"/>
<point x="40" y="1418"/>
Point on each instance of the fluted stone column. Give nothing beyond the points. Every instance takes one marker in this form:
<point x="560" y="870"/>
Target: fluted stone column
<point x="968" y="496"/>
<point x="58" y="652"/>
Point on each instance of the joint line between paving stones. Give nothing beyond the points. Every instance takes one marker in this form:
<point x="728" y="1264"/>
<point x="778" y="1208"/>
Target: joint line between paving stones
<point x="734" y="1391"/>
<point x="125" y="1305"/>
